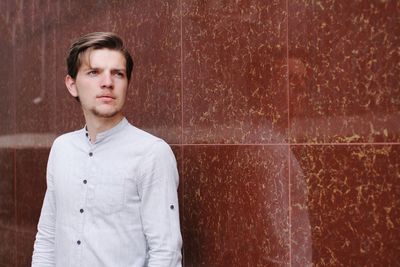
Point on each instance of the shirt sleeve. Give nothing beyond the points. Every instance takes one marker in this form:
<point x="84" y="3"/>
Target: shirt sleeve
<point x="44" y="247"/>
<point x="159" y="206"/>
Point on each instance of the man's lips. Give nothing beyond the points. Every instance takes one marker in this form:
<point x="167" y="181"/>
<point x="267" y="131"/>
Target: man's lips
<point x="106" y="97"/>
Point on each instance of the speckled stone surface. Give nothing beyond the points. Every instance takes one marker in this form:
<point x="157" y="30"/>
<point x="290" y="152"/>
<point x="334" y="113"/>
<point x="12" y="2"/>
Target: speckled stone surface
<point x="30" y="189"/>
<point x="234" y="72"/>
<point x="235" y="206"/>
<point x="33" y="69"/>
<point x="344" y="69"/>
<point x="345" y="205"/>
<point x="7" y="99"/>
<point x="7" y="208"/>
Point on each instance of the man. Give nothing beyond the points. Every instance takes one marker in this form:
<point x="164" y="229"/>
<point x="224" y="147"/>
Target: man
<point x="111" y="196"/>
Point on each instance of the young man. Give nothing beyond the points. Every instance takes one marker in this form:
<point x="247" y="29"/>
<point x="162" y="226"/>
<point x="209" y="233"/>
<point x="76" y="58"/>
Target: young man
<point x="111" y="196"/>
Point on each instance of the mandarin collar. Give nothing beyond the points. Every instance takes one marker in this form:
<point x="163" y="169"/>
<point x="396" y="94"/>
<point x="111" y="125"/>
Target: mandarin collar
<point x="103" y="135"/>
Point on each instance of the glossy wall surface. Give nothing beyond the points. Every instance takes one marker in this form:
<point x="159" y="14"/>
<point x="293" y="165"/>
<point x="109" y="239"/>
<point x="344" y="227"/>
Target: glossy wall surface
<point x="283" y="115"/>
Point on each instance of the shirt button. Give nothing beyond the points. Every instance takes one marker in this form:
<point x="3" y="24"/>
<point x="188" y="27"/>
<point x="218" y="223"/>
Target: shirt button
<point x="171" y="207"/>
<point x="90" y="154"/>
<point x="85" y="181"/>
<point x="81" y="210"/>
<point x="78" y="242"/>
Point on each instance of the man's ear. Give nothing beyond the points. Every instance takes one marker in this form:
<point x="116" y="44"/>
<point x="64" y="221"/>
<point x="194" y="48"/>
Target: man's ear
<point x="71" y="86"/>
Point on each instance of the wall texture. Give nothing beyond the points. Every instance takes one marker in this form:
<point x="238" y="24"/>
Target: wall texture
<point x="283" y="115"/>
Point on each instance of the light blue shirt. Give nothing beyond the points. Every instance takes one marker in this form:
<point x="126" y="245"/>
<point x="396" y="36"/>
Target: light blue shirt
<point x="112" y="203"/>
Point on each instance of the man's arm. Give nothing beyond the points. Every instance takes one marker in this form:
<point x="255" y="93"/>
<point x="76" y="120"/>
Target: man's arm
<point x="159" y="206"/>
<point x="44" y="247"/>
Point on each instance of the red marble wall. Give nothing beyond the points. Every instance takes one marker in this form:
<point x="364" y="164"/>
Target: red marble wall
<point x="283" y="115"/>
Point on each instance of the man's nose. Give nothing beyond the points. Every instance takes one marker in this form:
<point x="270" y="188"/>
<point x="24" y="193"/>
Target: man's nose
<point x="107" y="81"/>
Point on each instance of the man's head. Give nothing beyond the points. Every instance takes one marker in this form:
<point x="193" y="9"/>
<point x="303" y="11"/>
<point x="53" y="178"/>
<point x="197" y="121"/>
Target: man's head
<point x="93" y="41"/>
<point x="99" y="70"/>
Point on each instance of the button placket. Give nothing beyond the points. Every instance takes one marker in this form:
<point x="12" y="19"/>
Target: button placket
<point x="82" y="206"/>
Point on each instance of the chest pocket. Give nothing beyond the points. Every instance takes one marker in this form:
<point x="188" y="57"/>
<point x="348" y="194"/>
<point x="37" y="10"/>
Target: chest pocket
<point x="109" y="195"/>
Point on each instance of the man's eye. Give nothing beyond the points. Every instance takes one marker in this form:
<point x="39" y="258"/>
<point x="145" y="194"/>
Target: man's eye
<point x="120" y="74"/>
<point x="92" y="73"/>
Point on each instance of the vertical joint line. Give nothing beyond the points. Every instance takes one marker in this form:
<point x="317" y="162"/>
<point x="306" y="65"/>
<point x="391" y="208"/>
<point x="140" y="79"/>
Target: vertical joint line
<point x="287" y="73"/>
<point x="181" y="56"/>
<point x="288" y="134"/>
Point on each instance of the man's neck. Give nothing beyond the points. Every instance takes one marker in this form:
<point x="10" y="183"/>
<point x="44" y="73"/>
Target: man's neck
<point x="96" y="125"/>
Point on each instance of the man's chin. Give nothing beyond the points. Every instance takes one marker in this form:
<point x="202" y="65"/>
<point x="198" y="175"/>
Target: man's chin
<point x="105" y="114"/>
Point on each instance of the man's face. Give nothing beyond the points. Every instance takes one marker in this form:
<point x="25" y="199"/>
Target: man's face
<point x="101" y="83"/>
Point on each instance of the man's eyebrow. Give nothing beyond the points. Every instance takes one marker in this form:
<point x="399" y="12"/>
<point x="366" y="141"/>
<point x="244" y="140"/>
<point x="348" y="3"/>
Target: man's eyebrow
<point x="89" y="68"/>
<point x="98" y="68"/>
<point x="116" y="69"/>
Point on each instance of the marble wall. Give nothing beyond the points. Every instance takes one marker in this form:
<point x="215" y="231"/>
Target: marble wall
<point x="283" y="115"/>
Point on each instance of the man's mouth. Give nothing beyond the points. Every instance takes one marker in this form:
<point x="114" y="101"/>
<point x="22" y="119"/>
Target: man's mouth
<point x="106" y="97"/>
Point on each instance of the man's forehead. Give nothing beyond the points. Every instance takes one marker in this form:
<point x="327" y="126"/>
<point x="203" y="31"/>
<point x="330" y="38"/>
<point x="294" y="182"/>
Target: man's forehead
<point x="89" y="60"/>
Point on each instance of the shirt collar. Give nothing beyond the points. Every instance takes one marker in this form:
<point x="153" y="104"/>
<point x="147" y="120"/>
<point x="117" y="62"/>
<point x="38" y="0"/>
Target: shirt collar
<point x="103" y="135"/>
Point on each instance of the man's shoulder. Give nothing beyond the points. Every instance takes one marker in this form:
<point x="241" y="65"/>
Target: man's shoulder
<point x="146" y="140"/>
<point x="152" y="148"/>
<point x="141" y="135"/>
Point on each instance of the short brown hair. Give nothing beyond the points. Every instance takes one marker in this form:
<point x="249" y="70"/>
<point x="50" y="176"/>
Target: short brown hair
<point x="96" y="40"/>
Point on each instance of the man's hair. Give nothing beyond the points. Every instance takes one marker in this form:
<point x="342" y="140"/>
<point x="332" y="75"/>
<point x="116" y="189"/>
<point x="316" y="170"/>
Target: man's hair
<point x="93" y="41"/>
